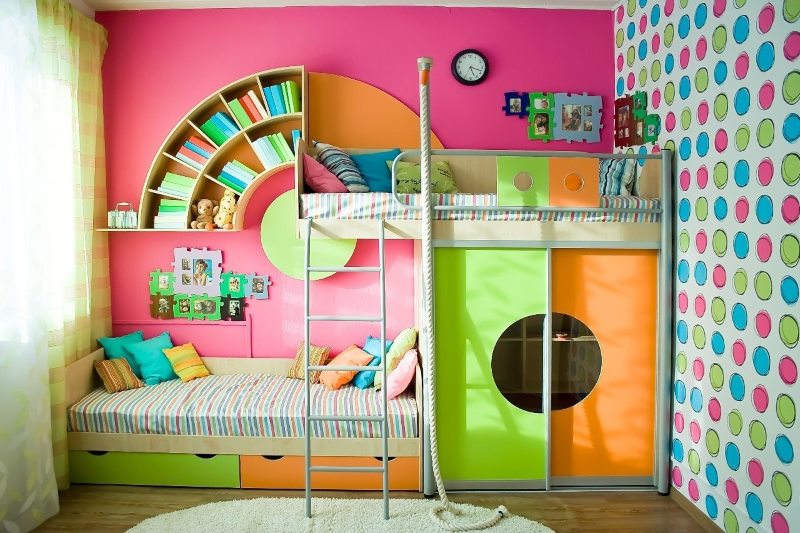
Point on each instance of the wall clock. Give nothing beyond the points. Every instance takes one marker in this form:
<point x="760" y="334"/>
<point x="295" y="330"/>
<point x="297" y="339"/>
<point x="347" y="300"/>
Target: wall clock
<point x="470" y="67"/>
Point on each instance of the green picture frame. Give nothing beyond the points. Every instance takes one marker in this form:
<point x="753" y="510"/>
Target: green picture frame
<point x="182" y="308"/>
<point x="639" y="105"/>
<point x="233" y="285"/>
<point x="206" y="307"/>
<point x="162" y="283"/>
<point x="652" y="128"/>
<point x="540" y="116"/>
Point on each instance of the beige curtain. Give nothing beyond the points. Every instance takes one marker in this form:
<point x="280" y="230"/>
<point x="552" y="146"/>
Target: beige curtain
<point x="71" y="52"/>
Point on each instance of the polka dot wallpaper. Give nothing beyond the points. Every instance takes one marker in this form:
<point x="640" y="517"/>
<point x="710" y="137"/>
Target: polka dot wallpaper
<point x="724" y="76"/>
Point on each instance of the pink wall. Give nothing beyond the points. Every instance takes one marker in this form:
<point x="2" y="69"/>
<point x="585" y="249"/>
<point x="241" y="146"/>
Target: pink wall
<point x="157" y="68"/>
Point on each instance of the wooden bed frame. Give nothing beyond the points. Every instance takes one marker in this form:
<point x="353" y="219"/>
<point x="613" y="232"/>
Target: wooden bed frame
<point x="81" y="379"/>
<point x="477" y="174"/>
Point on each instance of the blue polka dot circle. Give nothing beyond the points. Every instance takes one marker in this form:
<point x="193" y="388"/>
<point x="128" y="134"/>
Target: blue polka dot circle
<point x="755" y="510"/>
<point x="765" y="57"/>
<point x="741" y="101"/>
<point x="741" y="244"/>
<point x="732" y="456"/>
<point x="741" y="173"/>
<point x="739" y="316"/>
<point x="684" y="26"/>
<point x="680" y="391"/>
<point x="717" y="343"/>
<point x="696" y="399"/>
<point x="720" y="72"/>
<point x="789" y="290"/>
<point x="784" y="449"/>
<point x="700" y="273"/>
<point x="741" y="29"/>
<point x="761" y="360"/>
<point x="720" y="208"/>
<point x="736" y="385"/>
<point x="682" y="331"/>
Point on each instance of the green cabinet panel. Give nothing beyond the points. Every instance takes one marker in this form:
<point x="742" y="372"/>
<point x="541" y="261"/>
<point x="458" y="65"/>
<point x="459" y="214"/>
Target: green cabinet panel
<point x="539" y="191"/>
<point x="479" y="293"/>
<point x="136" y="468"/>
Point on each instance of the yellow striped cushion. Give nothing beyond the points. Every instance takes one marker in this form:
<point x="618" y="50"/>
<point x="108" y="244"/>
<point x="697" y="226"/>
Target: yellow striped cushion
<point x="185" y="362"/>
<point x="117" y="375"/>
<point x="317" y="356"/>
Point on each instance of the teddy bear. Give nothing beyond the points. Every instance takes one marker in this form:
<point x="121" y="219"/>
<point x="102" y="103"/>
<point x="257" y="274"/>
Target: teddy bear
<point x="227" y="206"/>
<point x="204" y="211"/>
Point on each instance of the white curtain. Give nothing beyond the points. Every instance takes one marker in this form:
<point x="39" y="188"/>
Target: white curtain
<point x="28" y="491"/>
<point x="53" y="271"/>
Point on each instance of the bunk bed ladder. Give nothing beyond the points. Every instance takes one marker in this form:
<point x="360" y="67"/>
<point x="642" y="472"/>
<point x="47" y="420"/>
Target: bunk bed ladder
<point x="383" y="417"/>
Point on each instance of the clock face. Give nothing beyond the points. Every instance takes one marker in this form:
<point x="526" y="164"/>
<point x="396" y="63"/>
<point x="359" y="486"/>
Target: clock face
<point x="470" y="67"/>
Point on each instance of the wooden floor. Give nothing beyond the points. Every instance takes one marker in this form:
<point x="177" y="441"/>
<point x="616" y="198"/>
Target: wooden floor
<point x="90" y="508"/>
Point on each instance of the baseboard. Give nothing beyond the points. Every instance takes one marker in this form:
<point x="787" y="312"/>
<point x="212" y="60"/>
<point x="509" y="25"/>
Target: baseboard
<point x="692" y="510"/>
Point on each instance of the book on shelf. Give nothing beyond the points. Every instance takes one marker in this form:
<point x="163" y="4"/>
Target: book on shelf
<point x="173" y="192"/>
<point x="244" y="167"/>
<point x="277" y="97"/>
<point x="282" y="147"/>
<point x="232" y="179"/>
<point x="240" y="171"/>
<point x="225" y="123"/>
<point x="183" y="158"/>
<point x="250" y="109"/>
<point x="240" y="113"/>
<point x="292" y="96"/>
<point x="201" y="144"/>
<point x="266" y="152"/>
<point x="214" y="132"/>
<point x="295" y="137"/>
<point x="202" y="152"/>
<point x="163" y="209"/>
<point x="257" y="102"/>
<point x="285" y="97"/>
<point x="231" y="185"/>
<point x="190" y="154"/>
<point x="178" y="180"/>
<point x="270" y="102"/>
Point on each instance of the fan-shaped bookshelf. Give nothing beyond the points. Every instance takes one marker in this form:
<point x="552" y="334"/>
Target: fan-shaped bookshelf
<point x="240" y="146"/>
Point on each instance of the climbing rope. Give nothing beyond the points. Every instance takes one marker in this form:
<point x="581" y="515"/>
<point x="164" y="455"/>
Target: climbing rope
<point x="445" y="505"/>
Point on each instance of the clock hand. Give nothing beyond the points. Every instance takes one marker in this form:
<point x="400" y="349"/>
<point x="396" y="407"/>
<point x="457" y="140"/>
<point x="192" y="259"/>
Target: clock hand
<point x="474" y="69"/>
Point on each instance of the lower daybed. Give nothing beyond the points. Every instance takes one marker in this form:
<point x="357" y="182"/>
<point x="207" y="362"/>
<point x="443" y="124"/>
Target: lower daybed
<point x="242" y="426"/>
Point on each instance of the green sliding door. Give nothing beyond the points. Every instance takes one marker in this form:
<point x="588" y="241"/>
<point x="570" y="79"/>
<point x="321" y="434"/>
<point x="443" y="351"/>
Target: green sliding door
<point x="486" y="298"/>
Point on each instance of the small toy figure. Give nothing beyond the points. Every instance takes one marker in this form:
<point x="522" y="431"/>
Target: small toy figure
<point x="223" y="217"/>
<point x="204" y="211"/>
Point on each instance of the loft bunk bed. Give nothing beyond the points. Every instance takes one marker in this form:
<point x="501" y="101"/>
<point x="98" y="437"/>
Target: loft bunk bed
<point x="481" y="217"/>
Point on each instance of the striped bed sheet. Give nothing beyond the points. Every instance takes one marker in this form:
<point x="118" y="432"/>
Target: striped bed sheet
<point x="241" y="405"/>
<point x="374" y="205"/>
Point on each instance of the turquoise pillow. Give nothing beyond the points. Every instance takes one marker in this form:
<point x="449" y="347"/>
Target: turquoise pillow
<point x="365" y="378"/>
<point x="151" y="359"/>
<point x="114" y="347"/>
<point x="374" y="170"/>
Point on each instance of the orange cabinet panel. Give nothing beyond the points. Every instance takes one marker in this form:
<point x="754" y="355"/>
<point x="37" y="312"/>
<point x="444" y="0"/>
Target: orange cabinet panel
<point x="288" y="472"/>
<point x="611" y="431"/>
<point x="574" y="182"/>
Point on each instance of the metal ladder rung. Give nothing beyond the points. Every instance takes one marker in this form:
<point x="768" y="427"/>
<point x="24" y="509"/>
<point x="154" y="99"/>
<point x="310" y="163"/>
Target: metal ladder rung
<point x="344" y="318"/>
<point x="361" y="469"/>
<point x="345" y="418"/>
<point x="343" y="269"/>
<point x="328" y="368"/>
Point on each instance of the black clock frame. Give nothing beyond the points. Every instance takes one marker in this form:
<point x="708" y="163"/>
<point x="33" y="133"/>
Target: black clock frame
<point x="454" y="70"/>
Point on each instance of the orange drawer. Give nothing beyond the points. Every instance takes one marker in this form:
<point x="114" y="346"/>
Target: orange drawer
<point x="574" y="182"/>
<point x="288" y="472"/>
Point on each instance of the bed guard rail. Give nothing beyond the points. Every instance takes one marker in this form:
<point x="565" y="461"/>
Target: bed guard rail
<point x="520" y="208"/>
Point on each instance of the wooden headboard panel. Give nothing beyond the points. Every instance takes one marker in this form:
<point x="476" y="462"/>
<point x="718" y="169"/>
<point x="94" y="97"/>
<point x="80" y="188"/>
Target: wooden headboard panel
<point x="81" y="379"/>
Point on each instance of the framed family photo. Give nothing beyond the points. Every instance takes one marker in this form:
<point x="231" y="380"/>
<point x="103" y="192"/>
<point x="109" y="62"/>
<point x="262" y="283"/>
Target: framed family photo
<point x="233" y="285"/>
<point x="161" y="306"/>
<point x="182" y="308"/>
<point x="205" y="307"/>
<point x="540" y="117"/>
<point x="577" y="117"/>
<point x="516" y="104"/>
<point x="258" y="286"/>
<point x="197" y="271"/>
<point x="233" y="308"/>
<point x="162" y="283"/>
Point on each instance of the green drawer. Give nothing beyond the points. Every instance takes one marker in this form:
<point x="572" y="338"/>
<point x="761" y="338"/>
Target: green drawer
<point x="171" y="469"/>
<point x="533" y="193"/>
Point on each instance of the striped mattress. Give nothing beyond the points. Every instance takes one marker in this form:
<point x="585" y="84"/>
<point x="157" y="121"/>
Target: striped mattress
<point x="374" y="205"/>
<point x="242" y="405"/>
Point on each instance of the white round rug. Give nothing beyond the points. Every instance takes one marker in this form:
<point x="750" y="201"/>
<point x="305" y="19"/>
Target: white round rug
<point x="279" y="515"/>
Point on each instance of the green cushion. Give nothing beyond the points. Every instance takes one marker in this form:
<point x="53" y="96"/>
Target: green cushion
<point x="151" y="359"/>
<point x="409" y="177"/>
<point x="114" y="348"/>
<point x="404" y="341"/>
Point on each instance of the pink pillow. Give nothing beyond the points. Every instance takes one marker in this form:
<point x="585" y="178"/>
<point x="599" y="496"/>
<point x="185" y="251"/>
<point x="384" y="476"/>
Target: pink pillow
<point x="318" y="178"/>
<point x="401" y="376"/>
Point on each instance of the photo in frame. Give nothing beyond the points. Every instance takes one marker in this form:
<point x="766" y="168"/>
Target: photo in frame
<point x="233" y="309"/>
<point x="234" y="285"/>
<point x="577" y="117"/>
<point x="162" y="283"/>
<point x="652" y="128"/>
<point x="205" y="307"/>
<point x="203" y="274"/>
<point x="161" y="306"/>
<point x="182" y="308"/>
<point x="623" y="121"/>
<point x="540" y="116"/>
<point x="258" y="286"/>
<point x="639" y="105"/>
<point x="516" y="104"/>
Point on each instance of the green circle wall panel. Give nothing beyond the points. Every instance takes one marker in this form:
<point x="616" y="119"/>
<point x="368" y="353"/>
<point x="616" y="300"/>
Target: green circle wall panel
<point x="285" y="250"/>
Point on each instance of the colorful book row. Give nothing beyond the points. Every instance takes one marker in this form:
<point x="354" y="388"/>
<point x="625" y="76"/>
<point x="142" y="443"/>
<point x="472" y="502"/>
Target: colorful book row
<point x="177" y="185"/>
<point x="248" y="109"/>
<point x="236" y="175"/>
<point x="283" y="98"/>
<point x="273" y="150"/>
<point x="219" y="128"/>
<point x="171" y="214"/>
<point x="195" y="152"/>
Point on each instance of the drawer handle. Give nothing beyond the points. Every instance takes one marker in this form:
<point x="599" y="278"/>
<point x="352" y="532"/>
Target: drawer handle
<point x="381" y="458"/>
<point x="574" y="182"/>
<point x="523" y="181"/>
<point x="206" y="455"/>
<point x="97" y="452"/>
<point x="272" y="457"/>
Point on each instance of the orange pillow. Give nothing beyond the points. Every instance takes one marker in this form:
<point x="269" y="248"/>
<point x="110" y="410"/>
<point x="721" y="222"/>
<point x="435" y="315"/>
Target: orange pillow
<point x="350" y="356"/>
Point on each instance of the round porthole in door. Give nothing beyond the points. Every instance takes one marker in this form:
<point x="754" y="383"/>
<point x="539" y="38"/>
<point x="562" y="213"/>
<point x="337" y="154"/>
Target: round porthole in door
<point x="517" y="367"/>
